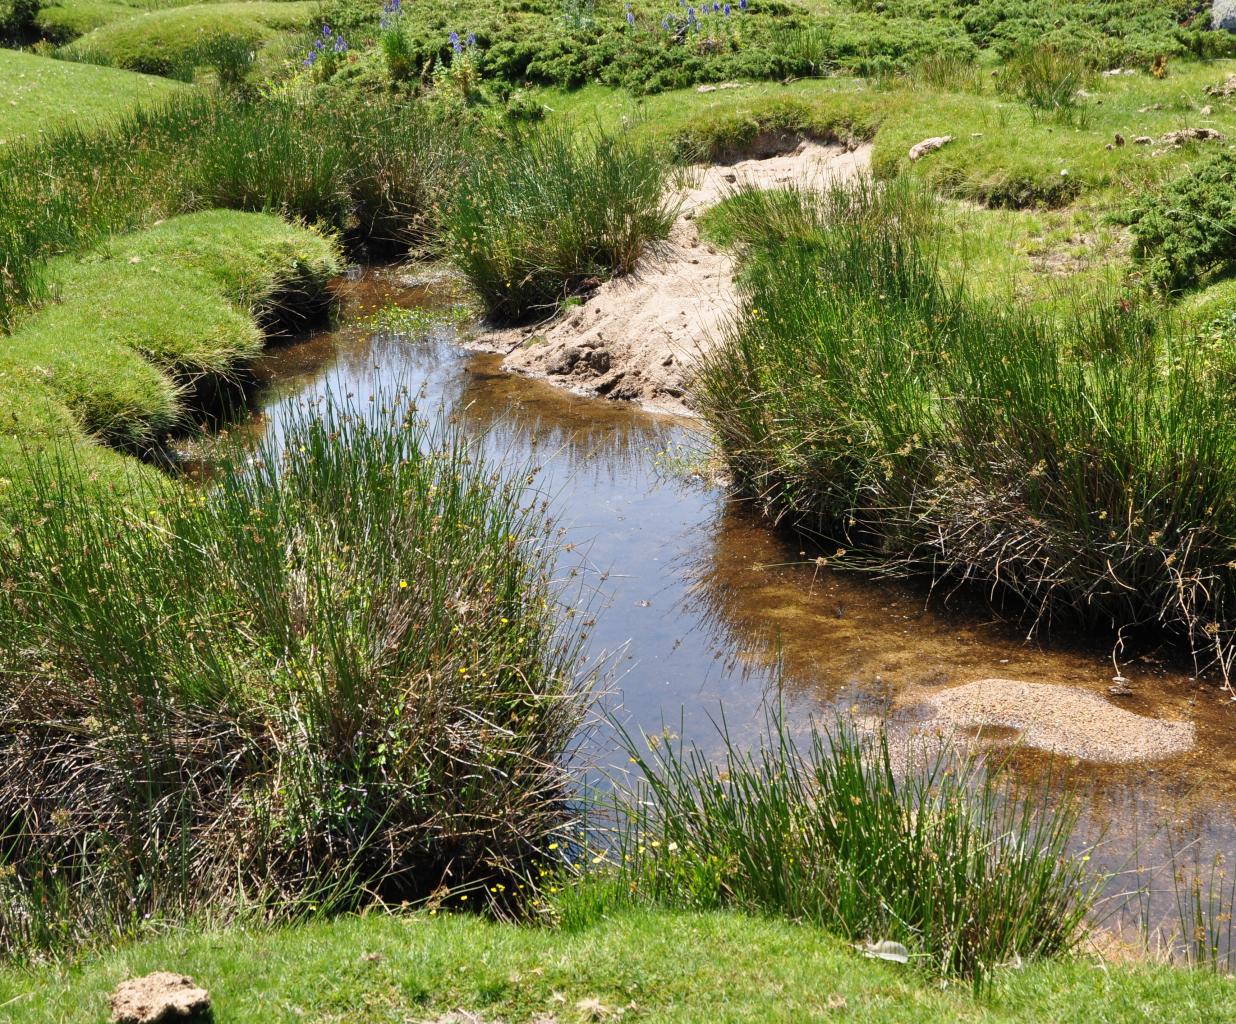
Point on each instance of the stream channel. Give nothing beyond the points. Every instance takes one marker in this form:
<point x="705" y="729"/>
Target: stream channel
<point x="700" y="605"/>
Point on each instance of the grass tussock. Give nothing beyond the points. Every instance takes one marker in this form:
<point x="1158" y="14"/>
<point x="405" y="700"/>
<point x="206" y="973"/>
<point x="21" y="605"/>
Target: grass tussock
<point x="372" y="172"/>
<point x="334" y="675"/>
<point x="921" y="845"/>
<point x="1073" y="465"/>
<point x="550" y="211"/>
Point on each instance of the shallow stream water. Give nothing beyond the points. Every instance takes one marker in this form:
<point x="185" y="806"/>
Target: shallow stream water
<point x="700" y="606"/>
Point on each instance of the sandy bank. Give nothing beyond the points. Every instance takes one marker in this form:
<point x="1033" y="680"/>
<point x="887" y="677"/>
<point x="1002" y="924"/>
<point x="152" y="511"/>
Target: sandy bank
<point x="636" y="337"/>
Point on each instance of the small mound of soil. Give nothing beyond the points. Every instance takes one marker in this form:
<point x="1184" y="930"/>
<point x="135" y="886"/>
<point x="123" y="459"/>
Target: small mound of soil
<point x="159" y="998"/>
<point x="636" y="337"/>
<point x="1063" y="720"/>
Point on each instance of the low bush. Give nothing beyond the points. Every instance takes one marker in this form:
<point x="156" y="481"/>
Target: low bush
<point x="334" y="674"/>
<point x="920" y="846"/>
<point x="1185" y="232"/>
<point x="550" y="211"/>
<point x="1075" y="466"/>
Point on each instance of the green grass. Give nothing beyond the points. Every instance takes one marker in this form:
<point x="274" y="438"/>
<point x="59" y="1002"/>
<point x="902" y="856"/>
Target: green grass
<point x="64" y="20"/>
<point x="543" y="215"/>
<point x="1076" y="464"/>
<point x="677" y="968"/>
<point x="169" y="41"/>
<point x="38" y="94"/>
<point x="943" y="857"/>
<point x="1005" y="152"/>
<point x="332" y="674"/>
<point x="150" y="314"/>
<point x="146" y="318"/>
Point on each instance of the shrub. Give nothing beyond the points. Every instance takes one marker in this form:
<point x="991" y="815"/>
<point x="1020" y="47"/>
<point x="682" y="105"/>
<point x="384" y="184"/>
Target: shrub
<point x="549" y="211"/>
<point x="1077" y="467"/>
<point x="19" y="20"/>
<point x="1186" y="230"/>
<point x="333" y="674"/>
<point x="922" y="845"/>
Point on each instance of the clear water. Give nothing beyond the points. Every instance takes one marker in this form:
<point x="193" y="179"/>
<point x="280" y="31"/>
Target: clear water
<point x="700" y="607"/>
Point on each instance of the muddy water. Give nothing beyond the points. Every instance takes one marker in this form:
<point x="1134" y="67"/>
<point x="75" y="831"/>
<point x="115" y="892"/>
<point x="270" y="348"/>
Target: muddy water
<point x="700" y="606"/>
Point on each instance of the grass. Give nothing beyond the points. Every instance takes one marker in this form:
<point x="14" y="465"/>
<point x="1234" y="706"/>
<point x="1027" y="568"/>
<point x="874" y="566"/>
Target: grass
<point x="38" y="94"/>
<point x="335" y="674"/>
<point x="169" y="41"/>
<point x="1005" y="152"/>
<point x="684" y="968"/>
<point x="1071" y="466"/>
<point x="148" y="317"/>
<point x="372" y="172"/>
<point x="939" y="856"/>
<point x="64" y="20"/>
<point x="552" y="211"/>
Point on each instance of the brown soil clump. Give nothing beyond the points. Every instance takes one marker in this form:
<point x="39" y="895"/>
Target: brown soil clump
<point x="159" y="998"/>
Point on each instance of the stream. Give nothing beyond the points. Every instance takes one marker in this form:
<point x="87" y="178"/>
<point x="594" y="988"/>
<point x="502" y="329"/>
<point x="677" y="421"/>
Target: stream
<point x="699" y="605"/>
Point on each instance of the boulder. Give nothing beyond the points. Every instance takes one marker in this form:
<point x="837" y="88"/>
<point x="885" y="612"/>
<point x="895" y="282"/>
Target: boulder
<point x="1223" y="14"/>
<point x="160" y="998"/>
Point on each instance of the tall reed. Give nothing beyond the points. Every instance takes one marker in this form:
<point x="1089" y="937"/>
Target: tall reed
<point x="919" y="845"/>
<point x="549" y="211"/>
<point x="333" y="675"/>
<point x="1081" y="465"/>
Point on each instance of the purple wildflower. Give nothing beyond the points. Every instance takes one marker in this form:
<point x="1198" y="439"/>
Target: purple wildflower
<point x="630" y="18"/>
<point x="456" y="45"/>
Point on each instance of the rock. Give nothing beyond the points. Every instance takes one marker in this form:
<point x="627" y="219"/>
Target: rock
<point x="158" y="998"/>
<point x="1223" y="14"/>
<point x="1224" y="89"/>
<point x="598" y="360"/>
<point x="1119" y="140"/>
<point x="1192" y="135"/>
<point x="921" y="149"/>
<point x="1207" y="110"/>
<point x="1143" y="140"/>
<point x="1113" y="72"/>
<point x="564" y="362"/>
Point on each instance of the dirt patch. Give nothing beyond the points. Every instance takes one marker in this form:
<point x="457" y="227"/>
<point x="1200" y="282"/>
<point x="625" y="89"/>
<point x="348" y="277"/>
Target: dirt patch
<point x="160" y="998"/>
<point x="1063" y="720"/>
<point x="636" y="337"/>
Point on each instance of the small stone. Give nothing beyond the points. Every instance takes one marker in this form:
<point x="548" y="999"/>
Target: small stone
<point x="1207" y="110"/>
<point x="158" y="998"/>
<point x="1143" y="140"/>
<point x="921" y="149"/>
<point x="1119" y="139"/>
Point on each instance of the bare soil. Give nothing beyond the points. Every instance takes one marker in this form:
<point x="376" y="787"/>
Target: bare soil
<point x="637" y="337"/>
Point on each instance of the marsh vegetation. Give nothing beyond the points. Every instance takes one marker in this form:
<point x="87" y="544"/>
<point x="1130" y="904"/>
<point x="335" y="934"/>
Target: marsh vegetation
<point x="340" y="673"/>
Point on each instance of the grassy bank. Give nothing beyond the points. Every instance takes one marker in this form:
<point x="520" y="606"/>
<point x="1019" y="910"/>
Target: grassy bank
<point x="175" y="41"/>
<point x="149" y="325"/>
<point x="1073" y="466"/>
<point x="38" y="95"/>
<point x="691" y="968"/>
